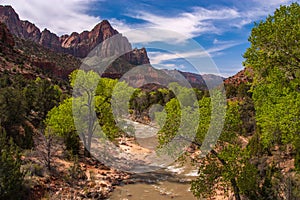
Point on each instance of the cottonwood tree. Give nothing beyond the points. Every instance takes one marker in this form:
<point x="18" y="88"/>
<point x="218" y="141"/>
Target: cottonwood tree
<point x="226" y="164"/>
<point x="87" y="109"/>
<point x="274" y="56"/>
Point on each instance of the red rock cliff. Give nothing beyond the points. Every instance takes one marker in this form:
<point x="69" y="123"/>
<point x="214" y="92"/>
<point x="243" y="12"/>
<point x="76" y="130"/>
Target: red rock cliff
<point x="76" y="44"/>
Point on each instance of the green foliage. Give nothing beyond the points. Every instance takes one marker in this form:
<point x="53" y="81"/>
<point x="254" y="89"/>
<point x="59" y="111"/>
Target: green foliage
<point x="169" y="120"/>
<point x="141" y="100"/>
<point x="247" y="114"/>
<point x="41" y="96"/>
<point x="60" y="121"/>
<point x="89" y="108"/>
<point x="178" y="121"/>
<point x="60" y="118"/>
<point x="274" y="56"/>
<point x="11" y="178"/>
<point x="230" y="166"/>
<point x="275" y="44"/>
<point x="183" y="94"/>
<point x="111" y="103"/>
<point x="240" y="90"/>
<point x="24" y="102"/>
<point x="208" y="177"/>
<point x="13" y="116"/>
<point x="5" y="81"/>
<point x="233" y="123"/>
<point x="231" y="91"/>
<point x="205" y="118"/>
<point x="12" y="106"/>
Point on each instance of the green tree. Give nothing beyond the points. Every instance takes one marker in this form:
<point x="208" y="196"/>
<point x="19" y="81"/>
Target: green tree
<point x="41" y="96"/>
<point x="274" y="56"/>
<point x="12" y="107"/>
<point x="88" y="109"/>
<point x="275" y="44"/>
<point x="228" y="163"/>
<point x="107" y="116"/>
<point x="11" y="178"/>
<point x="13" y="116"/>
<point x="60" y="122"/>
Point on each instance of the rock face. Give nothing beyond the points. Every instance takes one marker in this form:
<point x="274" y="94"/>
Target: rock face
<point x="243" y="76"/>
<point x="5" y="36"/>
<point x="22" y="29"/>
<point x="76" y="44"/>
<point x="139" y="56"/>
<point x="33" y="60"/>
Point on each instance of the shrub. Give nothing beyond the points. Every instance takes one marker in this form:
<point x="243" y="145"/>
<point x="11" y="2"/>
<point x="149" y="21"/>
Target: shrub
<point x="11" y="178"/>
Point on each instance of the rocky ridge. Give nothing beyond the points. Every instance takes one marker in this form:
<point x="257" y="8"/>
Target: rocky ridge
<point x="31" y="60"/>
<point x="243" y="76"/>
<point x="76" y="44"/>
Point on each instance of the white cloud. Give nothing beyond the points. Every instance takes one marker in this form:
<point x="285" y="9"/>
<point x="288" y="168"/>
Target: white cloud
<point x="59" y="16"/>
<point x="120" y="25"/>
<point x="202" y="20"/>
<point x="170" y="66"/>
<point x="161" y="57"/>
<point x="258" y="10"/>
<point x="273" y="3"/>
<point x="188" y="24"/>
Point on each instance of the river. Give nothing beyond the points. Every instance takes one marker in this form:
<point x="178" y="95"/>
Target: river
<point x="172" y="182"/>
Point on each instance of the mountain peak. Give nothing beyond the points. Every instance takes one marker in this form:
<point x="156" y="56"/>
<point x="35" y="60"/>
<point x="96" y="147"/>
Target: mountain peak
<point x="76" y="44"/>
<point x="105" y="21"/>
<point x="8" y="9"/>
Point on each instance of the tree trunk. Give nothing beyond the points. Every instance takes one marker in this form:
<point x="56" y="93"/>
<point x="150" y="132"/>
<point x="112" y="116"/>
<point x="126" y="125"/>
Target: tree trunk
<point x="87" y="153"/>
<point x="49" y="141"/>
<point x="236" y="189"/>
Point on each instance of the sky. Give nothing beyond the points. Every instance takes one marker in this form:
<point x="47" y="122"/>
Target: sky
<point x="218" y="29"/>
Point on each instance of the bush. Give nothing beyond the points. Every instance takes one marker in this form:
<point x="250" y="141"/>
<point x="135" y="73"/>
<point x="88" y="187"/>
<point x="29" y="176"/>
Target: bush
<point x="11" y="178"/>
<point x="72" y="142"/>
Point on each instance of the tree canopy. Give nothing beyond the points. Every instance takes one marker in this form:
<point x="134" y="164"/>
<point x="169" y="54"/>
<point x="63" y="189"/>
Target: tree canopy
<point x="274" y="56"/>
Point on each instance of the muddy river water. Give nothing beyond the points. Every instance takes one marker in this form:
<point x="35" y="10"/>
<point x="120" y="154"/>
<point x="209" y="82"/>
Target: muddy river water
<point x="171" y="182"/>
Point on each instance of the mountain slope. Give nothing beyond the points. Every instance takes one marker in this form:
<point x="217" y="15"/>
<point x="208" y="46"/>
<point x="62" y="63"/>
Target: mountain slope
<point x="31" y="60"/>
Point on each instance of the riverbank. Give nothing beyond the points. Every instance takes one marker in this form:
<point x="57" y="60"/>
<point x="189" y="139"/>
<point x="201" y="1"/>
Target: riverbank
<point x="69" y="177"/>
<point x="88" y="178"/>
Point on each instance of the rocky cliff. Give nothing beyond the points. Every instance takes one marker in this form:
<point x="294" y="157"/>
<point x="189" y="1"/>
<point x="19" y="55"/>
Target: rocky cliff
<point x="26" y="58"/>
<point x="6" y="37"/>
<point x="22" y="29"/>
<point x="243" y="76"/>
<point x="76" y="44"/>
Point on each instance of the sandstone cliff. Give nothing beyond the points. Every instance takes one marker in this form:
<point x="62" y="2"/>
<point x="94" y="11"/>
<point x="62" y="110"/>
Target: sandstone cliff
<point x="76" y="44"/>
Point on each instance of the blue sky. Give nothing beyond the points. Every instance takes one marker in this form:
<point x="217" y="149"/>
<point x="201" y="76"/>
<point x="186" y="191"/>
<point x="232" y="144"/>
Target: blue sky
<point x="221" y="27"/>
